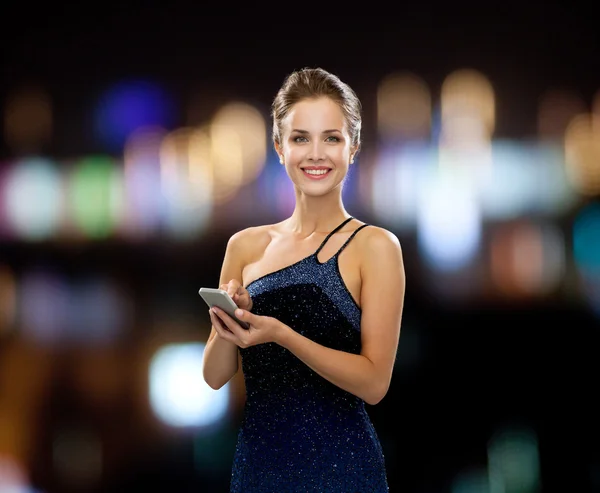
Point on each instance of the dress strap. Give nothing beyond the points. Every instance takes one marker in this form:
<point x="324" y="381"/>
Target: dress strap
<point x="330" y="234"/>
<point x="350" y="239"/>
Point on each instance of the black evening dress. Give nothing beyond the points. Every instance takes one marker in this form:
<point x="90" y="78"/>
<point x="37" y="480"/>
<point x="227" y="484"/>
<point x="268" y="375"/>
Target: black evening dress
<point x="299" y="432"/>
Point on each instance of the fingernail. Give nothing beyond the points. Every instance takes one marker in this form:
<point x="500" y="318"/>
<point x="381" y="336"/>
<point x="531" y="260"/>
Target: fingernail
<point x="214" y="309"/>
<point x="239" y="313"/>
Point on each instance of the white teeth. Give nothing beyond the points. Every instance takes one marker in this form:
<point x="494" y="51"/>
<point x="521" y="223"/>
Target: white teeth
<point x="316" y="171"/>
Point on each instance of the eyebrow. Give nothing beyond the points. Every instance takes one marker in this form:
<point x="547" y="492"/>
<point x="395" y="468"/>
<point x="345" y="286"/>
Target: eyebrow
<point x="330" y="131"/>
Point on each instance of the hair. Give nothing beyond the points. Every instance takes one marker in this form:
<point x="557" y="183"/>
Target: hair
<point x="311" y="83"/>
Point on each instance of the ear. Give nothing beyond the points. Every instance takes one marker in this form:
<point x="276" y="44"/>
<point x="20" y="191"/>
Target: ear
<point x="278" y="151"/>
<point x="353" y="152"/>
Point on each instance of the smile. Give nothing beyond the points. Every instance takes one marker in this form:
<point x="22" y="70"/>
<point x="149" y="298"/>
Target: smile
<point x="316" y="173"/>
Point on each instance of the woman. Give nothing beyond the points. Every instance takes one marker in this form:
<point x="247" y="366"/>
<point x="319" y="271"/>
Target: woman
<point x="324" y="303"/>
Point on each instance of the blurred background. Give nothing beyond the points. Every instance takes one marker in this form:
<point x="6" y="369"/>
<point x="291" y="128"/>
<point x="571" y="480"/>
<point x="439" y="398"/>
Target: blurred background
<point x="134" y="142"/>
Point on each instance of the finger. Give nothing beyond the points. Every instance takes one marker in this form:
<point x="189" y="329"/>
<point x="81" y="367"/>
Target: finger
<point x="222" y="331"/>
<point x="217" y="322"/>
<point x="241" y="292"/>
<point x="229" y="289"/>
<point x="226" y="321"/>
<point x="230" y="323"/>
<point x="232" y="287"/>
<point x="241" y="296"/>
<point x="245" y="316"/>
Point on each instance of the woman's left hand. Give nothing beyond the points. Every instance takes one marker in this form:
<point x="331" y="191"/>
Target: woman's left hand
<point x="262" y="329"/>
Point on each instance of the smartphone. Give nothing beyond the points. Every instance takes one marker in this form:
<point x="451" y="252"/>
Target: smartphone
<point x="220" y="298"/>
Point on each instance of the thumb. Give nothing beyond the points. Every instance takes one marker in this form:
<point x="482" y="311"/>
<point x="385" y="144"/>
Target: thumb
<point x="244" y="315"/>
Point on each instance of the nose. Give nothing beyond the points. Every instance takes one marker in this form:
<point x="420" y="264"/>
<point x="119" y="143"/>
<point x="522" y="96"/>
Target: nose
<point x="317" y="151"/>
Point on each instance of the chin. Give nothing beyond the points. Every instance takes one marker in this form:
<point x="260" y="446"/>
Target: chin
<point x="317" y="190"/>
<point x="316" y="193"/>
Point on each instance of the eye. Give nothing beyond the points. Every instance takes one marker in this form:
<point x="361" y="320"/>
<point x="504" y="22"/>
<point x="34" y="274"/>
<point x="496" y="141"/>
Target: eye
<point x="299" y="138"/>
<point x="333" y="138"/>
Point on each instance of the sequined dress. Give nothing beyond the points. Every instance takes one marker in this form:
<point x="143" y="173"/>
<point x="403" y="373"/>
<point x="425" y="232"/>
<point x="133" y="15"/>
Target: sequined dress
<point x="299" y="432"/>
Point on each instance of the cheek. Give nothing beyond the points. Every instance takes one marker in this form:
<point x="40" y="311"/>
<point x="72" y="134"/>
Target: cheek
<point x="293" y="153"/>
<point x="343" y="153"/>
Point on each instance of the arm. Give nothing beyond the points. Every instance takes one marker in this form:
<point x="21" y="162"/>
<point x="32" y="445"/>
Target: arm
<point x="220" y="361"/>
<point x="368" y="374"/>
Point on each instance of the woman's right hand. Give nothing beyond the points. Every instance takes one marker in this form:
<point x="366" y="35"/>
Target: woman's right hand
<point x="238" y="293"/>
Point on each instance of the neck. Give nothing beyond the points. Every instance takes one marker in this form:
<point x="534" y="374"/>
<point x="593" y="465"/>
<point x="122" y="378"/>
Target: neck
<point x="317" y="214"/>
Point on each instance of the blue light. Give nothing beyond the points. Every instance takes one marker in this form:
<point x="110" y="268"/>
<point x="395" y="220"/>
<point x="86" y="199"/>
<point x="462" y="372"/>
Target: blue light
<point x="129" y="106"/>
<point x="586" y="239"/>
<point x="350" y="190"/>
<point x="275" y="188"/>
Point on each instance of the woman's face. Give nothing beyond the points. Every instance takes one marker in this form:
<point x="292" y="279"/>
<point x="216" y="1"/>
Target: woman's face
<point x="315" y="146"/>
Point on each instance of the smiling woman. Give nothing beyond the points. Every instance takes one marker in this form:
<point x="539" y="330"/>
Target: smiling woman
<point x="312" y="149"/>
<point x="316" y="127"/>
<point x="323" y="334"/>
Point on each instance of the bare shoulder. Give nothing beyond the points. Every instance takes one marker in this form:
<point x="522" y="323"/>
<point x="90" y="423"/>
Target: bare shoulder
<point x="244" y="243"/>
<point x="380" y="241"/>
<point x="379" y="249"/>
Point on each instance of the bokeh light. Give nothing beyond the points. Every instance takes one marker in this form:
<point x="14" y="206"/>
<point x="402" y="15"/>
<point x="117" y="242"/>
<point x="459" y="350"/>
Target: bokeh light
<point x="582" y="153"/>
<point x="525" y="179"/>
<point x="186" y="182"/>
<point x="179" y="396"/>
<point x="527" y="259"/>
<point x="95" y="194"/>
<point x="128" y="106"/>
<point x="186" y="178"/>
<point x="586" y="253"/>
<point x="13" y="476"/>
<point x="144" y="202"/>
<point x="28" y="120"/>
<point x="220" y="149"/>
<point x="586" y="239"/>
<point x="474" y="480"/>
<point x="513" y="460"/>
<point x="275" y="189"/>
<point x="403" y="107"/>
<point x="33" y="199"/>
<point x="98" y="312"/>
<point x="448" y="222"/>
<point x="398" y="178"/>
<point x="43" y="307"/>
<point x="247" y="127"/>
<point x="468" y="109"/>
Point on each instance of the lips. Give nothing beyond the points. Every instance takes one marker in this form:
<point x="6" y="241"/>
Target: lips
<point x="318" y="172"/>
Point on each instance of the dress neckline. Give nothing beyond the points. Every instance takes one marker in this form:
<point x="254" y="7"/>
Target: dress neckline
<point x="314" y="254"/>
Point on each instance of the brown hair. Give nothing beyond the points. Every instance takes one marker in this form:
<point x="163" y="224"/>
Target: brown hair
<point x="309" y="83"/>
